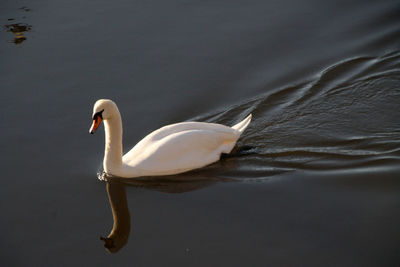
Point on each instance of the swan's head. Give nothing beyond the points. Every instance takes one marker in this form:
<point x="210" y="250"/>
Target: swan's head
<point x="104" y="109"/>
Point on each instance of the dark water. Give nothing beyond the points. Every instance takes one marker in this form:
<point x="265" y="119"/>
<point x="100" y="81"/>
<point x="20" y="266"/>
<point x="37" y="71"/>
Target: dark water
<point x="320" y="186"/>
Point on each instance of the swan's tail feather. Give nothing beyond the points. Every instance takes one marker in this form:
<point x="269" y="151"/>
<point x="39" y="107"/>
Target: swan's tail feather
<point x="241" y="126"/>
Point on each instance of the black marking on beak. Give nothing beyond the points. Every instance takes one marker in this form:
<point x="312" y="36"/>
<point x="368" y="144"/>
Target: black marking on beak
<point x="98" y="114"/>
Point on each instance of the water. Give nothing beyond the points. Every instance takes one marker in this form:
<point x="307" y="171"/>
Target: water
<point x="319" y="185"/>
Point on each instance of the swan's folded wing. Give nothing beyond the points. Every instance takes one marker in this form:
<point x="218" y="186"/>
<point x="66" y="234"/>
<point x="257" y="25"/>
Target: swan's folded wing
<point x="182" y="150"/>
<point x="175" y="130"/>
<point x="187" y="126"/>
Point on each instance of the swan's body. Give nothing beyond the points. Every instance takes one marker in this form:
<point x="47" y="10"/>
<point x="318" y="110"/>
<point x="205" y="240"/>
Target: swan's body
<point x="172" y="149"/>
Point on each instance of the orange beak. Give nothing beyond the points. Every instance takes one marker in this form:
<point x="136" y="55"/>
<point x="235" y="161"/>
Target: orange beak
<point x="96" y="123"/>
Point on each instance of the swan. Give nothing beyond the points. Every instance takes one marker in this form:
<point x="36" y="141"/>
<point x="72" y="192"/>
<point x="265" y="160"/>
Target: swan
<point x="172" y="149"/>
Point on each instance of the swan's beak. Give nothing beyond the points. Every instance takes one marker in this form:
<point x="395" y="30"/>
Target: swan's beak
<point x="96" y="123"/>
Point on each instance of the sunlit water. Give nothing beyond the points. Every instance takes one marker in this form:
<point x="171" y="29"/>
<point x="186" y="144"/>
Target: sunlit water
<point x="312" y="182"/>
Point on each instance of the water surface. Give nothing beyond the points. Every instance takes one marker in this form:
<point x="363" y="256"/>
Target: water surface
<point x="319" y="186"/>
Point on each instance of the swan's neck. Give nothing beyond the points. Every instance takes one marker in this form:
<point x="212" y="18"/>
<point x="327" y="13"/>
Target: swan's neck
<point x="113" y="151"/>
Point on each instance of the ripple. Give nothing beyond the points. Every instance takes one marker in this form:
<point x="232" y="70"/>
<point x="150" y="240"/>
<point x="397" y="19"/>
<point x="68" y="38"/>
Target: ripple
<point x="346" y="117"/>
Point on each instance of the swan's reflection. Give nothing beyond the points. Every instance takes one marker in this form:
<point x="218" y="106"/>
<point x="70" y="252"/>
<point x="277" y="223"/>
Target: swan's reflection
<point x="122" y="223"/>
<point x="119" y="234"/>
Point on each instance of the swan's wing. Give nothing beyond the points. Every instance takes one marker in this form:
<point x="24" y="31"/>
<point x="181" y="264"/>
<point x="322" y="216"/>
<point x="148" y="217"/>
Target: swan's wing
<point x="182" y="150"/>
<point x="168" y="130"/>
<point x="186" y="126"/>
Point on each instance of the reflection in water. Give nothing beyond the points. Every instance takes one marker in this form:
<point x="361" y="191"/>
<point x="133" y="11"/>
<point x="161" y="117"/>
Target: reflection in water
<point x="19" y="28"/>
<point x="119" y="234"/>
<point x="122" y="223"/>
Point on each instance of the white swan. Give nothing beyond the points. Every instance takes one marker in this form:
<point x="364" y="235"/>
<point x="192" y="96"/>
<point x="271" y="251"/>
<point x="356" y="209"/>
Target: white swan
<point x="172" y="149"/>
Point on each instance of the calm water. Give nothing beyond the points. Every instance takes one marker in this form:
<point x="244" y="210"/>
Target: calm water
<point x="319" y="187"/>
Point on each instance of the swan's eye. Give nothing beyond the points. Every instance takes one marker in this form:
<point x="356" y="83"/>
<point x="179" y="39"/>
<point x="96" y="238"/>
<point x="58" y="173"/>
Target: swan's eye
<point x="98" y="114"/>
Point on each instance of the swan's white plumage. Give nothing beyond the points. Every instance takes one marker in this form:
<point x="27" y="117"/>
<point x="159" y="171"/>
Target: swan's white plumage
<point x="172" y="149"/>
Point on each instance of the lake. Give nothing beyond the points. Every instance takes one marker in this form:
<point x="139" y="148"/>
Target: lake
<point x="319" y="182"/>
